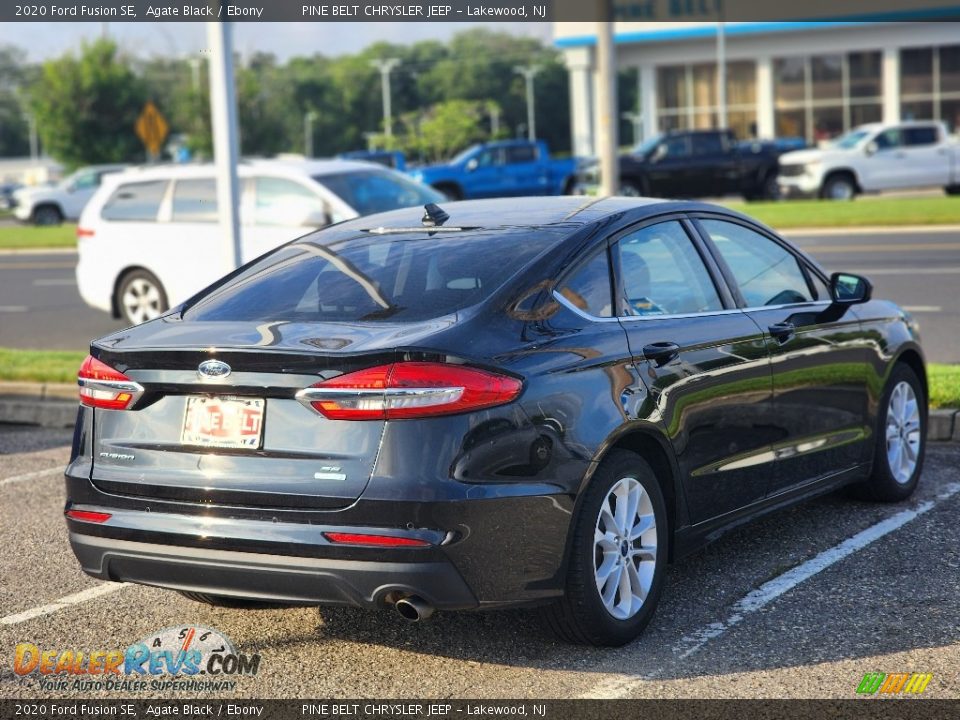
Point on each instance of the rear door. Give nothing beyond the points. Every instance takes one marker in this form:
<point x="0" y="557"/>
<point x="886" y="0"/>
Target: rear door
<point x="669" y="168"/>
<point x="817" y="358"/>
<point x="192" y="254"/>
<point x="706" y="364"/>
<point x="528" y="171"/>
<point x="926" y="155"/>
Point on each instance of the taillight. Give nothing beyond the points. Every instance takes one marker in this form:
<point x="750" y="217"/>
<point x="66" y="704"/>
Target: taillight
<point x="103" y="387"/>
<point x="407" y="390"/>
<point x="341" y="538"/>
<point x="88" y="516"/>
<point x="84" y="232"/>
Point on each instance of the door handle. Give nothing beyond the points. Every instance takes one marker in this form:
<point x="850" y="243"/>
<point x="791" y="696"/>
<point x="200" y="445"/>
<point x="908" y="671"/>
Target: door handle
<point x="782" y="331"/>
<point x="660" y="353"/>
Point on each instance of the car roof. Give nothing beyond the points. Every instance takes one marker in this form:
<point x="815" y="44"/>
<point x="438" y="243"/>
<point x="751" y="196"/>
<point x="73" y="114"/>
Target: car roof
<point x="291" y="167"/>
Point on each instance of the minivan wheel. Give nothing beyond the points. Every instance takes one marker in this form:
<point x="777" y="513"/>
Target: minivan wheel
<point x="617" y="558"/>
<point x="47" y="215"/>
<point x="141" y="297"/>
<point x="901" y="433"/>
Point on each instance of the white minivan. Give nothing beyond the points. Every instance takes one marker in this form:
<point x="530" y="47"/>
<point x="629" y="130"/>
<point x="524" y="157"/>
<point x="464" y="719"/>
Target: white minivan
<point x="148" y="241"/>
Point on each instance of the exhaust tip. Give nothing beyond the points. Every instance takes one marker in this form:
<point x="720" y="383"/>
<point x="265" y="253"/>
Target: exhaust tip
<point x="413" y="609"/>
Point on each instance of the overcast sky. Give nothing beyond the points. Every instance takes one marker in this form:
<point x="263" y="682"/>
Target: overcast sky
<point x="50" y="39"/>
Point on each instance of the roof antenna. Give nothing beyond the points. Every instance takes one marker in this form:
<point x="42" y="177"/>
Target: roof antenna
<point x="434" y="215"/>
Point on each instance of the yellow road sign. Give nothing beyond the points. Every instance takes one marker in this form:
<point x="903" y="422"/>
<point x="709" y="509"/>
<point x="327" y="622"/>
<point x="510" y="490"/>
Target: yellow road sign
<point x="152" y="128"/>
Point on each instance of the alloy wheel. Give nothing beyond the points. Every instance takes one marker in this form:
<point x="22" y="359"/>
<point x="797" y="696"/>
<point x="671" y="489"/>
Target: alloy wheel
<point x="141" y="301"/>
<point x="625" y="548"/>
<point x="903" y="432"/>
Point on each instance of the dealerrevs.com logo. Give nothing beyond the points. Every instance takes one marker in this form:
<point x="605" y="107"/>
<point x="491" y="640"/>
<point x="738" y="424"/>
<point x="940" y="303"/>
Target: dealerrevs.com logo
<point x="878" y="683"/>
<point x="190" y="658"/>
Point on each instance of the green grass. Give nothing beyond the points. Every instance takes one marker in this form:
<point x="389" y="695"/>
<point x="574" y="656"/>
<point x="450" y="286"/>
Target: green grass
<point x="944" y="385"/>
<point x="40" y="365"/>
<point x="29" y="236"/>
<point x="870" y="211"/>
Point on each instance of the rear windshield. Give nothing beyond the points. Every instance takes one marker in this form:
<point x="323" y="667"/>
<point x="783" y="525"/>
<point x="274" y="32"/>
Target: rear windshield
<point x="403" y="277"/>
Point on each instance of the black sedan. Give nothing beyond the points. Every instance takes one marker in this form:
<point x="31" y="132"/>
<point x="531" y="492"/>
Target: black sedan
<point x="508" y="402"/>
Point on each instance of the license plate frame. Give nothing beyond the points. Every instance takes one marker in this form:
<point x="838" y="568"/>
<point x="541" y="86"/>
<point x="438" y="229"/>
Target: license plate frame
<point x="223" y="422"/>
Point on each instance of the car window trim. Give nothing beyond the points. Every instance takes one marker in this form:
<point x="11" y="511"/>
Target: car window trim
<point x="576" y="266"/>
<point x="806" y="267"/>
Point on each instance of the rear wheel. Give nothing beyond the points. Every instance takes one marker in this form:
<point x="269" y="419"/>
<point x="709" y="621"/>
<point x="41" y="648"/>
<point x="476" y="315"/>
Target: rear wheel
<point x="47" y="215"/>
<point x="618" y="556"/>
<point x="952" y="189"/>
<point x="900" y="439"/>
<point x="141" y="297"/>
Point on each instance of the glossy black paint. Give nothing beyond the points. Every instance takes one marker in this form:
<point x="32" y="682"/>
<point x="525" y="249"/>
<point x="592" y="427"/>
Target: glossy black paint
<point x="736" y="422"/>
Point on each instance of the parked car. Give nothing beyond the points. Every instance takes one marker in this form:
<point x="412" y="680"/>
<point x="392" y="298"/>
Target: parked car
<point x="697" y="163"/>
<point x="147" y="238"/>
<point x="506" y="402"/>
<point x="507" y="168"/>
<point x="51" y="205"/>
<point x="874" y="157"/>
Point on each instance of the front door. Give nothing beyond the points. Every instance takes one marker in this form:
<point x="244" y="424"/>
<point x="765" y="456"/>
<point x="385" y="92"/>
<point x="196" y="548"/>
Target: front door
<point x="818" y="365"/>
<point x="705" y="363"/>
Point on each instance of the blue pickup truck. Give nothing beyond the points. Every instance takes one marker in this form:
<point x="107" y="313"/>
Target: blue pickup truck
<point x="501" y="169"/>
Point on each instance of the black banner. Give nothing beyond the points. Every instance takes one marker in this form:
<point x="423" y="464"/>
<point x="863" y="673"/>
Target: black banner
<point x="633" y="11"/>
<point x="485" y="709"/>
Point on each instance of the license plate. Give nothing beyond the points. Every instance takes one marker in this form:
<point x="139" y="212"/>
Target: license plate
<point x="223" y="422"/>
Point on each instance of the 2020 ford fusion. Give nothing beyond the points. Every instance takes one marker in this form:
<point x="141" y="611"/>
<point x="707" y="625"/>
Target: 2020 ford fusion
<point x="506" y="402"/>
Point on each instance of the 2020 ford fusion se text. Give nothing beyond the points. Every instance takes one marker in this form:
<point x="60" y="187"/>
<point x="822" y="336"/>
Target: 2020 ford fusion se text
<point x="503" y="402"/>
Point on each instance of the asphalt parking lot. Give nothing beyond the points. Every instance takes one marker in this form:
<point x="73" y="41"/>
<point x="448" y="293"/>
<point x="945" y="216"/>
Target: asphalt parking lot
<point x="800" y="604"/>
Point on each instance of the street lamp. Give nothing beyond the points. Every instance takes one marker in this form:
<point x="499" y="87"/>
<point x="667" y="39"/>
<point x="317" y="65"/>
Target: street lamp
<point x="385" y="67"/>
<point x="529" y="72"/>
<point x="308" y="118"/>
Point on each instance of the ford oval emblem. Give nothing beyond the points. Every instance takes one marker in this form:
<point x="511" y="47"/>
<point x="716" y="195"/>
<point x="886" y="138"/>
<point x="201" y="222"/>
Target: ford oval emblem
<point x="213" y="370"/>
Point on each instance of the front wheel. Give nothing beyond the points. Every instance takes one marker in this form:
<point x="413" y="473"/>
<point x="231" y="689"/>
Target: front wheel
<point x="901" y="433"/>
<point x="618" y="556"/>
<point x="839" y="187"/>
<point x="141" y="297"/>
<point x="47" y="215"/>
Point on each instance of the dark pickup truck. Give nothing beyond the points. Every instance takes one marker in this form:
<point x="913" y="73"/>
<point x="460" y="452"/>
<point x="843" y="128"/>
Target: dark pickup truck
<point x="700" y="163"/>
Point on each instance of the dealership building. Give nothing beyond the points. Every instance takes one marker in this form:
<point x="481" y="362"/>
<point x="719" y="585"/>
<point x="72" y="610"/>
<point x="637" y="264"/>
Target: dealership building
<point x="813" y="80"/>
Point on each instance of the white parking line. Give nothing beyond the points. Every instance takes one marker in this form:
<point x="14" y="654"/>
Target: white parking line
<point x="32" y="475"/>
<point x="923" y="308"/>
<point x="12" y="308"/>
<point x="621" y="686"/>
<point x="75" y="599"/>
<point x="49" y="282"/>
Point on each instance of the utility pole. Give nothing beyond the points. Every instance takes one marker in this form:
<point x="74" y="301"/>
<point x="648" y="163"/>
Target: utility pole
<point x="529" y="72"/>
<point x="308" y="119"/>
<point x="194" y="63"/>
<point x="607" y="80"/>
<point x="385" y="67"/>
<point x="34" y="145"/>
<point x="721" y="74"/>
<point x="494" y="111"/>
<point x="223" y="112"/>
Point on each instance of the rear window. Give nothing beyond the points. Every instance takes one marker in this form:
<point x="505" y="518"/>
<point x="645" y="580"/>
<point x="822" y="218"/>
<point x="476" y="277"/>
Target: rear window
<point x="195" y="200"/>
<point x="373" y="191"/>
<point x="135" y="201"/>
<point x="396" y="277"/>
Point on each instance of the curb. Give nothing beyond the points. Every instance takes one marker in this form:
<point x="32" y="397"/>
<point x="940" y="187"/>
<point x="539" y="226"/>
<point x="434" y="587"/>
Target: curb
<point x="54" y="405"/>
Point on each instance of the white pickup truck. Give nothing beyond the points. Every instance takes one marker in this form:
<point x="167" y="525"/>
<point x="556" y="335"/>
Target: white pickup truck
<point x="872" y="158"/>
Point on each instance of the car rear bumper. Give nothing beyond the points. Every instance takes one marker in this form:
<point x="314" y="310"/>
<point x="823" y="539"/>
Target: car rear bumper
<point x="269" y="577"/>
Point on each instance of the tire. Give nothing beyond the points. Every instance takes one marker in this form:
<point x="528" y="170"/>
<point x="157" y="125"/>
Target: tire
<point x="225" y="601"/>
<point x="893" y="480"/>
<point x="839" y="187"/>
<point x="582" y="616"/>
<point x="452" y="192"/>
<point x="140" y="297"/>
<point x="47" y="215"/>
<point x="952" y="189"/>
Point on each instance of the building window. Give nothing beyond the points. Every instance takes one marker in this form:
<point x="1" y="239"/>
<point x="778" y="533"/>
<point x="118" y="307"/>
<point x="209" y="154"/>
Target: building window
<point x="687" y="97"/>
<point x="822" y="96"/>
<point x="930" y="84"/>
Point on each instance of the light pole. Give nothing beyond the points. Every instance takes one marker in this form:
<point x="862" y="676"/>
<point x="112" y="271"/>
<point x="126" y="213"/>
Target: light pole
<point x="385" y="67"/>
<point x="529" y="72"/>
<point x="194" y="63"/>
<point x="607" y="81"/>
<point x="308" y="118"/>
<point x="721" y="74"/>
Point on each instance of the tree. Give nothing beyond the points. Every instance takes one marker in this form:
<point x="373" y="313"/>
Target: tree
<point x="14" y="74"/>
<point x="86" y="107"/>
<point x="451" y="126"/>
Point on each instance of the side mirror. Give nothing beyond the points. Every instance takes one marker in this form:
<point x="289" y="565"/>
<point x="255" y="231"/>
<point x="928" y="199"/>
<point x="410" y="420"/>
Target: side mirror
<point x="850" y="289"/>
<point x="472" y="164"/>
<point x="871" y="148"/>
<point x="659" y="152"/>
<point x="317" y="218"/>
